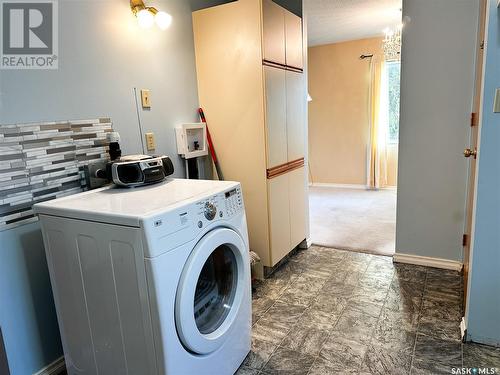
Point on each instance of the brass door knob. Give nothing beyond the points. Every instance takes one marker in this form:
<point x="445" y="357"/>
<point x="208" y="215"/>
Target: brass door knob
<point x="468" y="153"/>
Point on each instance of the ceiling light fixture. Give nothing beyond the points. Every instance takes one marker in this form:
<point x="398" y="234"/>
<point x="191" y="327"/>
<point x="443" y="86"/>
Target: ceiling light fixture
<point x="147" y="16"/>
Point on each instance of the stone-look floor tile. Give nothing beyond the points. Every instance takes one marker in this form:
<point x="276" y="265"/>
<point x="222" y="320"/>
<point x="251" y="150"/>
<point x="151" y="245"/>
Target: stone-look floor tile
<point x="401" y="297"/>
<point x="394" y="338"/>
<point x="318" y="271"/>
<point x="322" y="366"/>
<point x="300" y="297"/>
<point x="304" y="256"/>
<point x="438" y="328"/>
<point x="342" y="355"/>
<point x="284" y="313"/>
<point x="340" y="290"/>
<point x="441" y="274"/>
<point x="408" y="288"/>
<point x="260" y="306"/>
<point x="355" y="325"/>
<point x="436" y="355"/>
<point x="445" y="295"/>
<point x="310" y="282"/>
<point x="382" y="361"/>
<point x="303" y="290"/>
<point x="476" y="355"/>
<point x="338" y="276"/>
<point x="372" y="309"/>
<point x="409" y="272"/>
<point x="285" y="361"/>
<point x="307" y="339"/>
<point x="441" y="310"/>
<point x="331" y="256"/>
<point x="421" y="367"/>
<point x="270" y="331"/>
<point x="328" y="303"/>
<point x="354" y="269"/>
<point x="400" y="319"/>
<point x="370" y="295"/>
<point x="271" y="288"/>
<point x="260" y="353"/>
<point x="376" y="280"/>
<point x="319" y="319"/>
<point x="243" y="370"/>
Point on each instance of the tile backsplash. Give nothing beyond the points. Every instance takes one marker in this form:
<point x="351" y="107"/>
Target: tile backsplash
<point x="43" y="161"/>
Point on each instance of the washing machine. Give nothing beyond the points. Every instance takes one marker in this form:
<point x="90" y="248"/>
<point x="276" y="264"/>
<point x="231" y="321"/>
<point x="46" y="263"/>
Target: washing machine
<point x="151" y="280"/>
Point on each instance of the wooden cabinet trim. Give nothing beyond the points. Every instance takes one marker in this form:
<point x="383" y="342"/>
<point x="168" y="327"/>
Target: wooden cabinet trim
<point x="281" y="66"/>
<point x="284" y="168"/>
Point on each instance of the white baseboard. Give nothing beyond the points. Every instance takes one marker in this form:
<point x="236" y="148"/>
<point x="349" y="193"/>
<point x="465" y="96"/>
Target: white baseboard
<point x="342" y="186"/>
<point x="348" y="186"/>
<point x="427" y="261"/>
<point x="54" y="368"/>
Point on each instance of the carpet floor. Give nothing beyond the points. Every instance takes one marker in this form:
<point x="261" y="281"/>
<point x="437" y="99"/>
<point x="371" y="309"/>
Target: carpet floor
<point x="353" y="219"/>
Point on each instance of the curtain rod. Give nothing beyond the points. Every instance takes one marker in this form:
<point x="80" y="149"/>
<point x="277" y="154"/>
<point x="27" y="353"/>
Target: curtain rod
<point x="362" y="57"/>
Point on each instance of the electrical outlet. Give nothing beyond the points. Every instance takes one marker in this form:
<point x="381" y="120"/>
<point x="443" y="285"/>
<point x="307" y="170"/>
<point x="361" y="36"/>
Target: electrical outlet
<point x="150" y="141"/>
<point x="146" y="98"/>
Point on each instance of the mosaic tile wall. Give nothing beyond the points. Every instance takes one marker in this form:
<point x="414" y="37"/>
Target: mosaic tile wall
<point x="43" y="161"/>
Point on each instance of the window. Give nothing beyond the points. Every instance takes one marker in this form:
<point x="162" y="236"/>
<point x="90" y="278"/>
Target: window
<point x="393" y="70"/>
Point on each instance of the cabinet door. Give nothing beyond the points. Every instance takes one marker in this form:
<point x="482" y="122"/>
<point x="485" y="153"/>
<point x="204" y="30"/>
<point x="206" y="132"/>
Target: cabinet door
<point x="279" y="217"/>
<point x="295" y="108"/>
<point x="275" y="80"/>
<point x="293" y="40"/>
<point x="298" y="201"/>
<point x="273" y="33"/>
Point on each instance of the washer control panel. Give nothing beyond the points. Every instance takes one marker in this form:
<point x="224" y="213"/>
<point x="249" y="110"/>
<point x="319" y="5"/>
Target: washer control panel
<point x="210" y="211"/>
<point x="219" y="207"/>
<point x="233" y="201"/>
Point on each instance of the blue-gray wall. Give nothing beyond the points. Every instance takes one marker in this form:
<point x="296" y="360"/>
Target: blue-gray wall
<point x="103" y="55"/>
<point x="484" y="289"/>
<point x="437" y="80"/>
<point x="27" y="315"/>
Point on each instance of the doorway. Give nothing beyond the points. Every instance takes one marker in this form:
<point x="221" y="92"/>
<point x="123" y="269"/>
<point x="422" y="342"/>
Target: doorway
<point x="354" y="85"/>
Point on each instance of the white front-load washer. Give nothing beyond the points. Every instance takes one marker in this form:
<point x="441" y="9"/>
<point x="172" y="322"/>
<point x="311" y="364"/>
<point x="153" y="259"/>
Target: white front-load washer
<point x="151" y="280"/>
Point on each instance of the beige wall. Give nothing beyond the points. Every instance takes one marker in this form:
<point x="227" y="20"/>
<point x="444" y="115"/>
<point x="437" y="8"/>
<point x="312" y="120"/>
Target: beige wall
<point x="338" y="114"/>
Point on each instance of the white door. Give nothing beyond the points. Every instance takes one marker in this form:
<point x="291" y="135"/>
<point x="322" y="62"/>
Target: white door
<point x="295" y="121"/>
<point x="277" y="151"/>
<point x="211" y="290"/>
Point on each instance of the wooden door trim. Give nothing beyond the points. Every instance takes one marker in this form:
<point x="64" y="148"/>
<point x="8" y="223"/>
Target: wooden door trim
<point x="284" y="168"/>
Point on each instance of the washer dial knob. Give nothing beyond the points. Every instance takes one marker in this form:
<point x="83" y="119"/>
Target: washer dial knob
<point x="210" y="211"/>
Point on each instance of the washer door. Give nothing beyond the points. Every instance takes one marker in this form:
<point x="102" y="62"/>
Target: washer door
<point x="211" y="290"/>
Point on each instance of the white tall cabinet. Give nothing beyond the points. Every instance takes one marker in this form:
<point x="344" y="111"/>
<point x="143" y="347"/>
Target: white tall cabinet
<point x="249" y="61"/>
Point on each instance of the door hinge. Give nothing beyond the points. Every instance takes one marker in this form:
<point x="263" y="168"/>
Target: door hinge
<point x="465" y="240"/>
<point x="473" y="119"/>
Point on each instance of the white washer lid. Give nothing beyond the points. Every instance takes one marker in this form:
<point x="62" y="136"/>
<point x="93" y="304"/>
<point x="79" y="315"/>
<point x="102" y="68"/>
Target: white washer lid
<point x="129" y="206"/>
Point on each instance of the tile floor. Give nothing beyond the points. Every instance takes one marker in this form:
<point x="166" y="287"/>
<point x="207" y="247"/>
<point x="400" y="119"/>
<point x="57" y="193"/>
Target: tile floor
<point x="328" y="311"/>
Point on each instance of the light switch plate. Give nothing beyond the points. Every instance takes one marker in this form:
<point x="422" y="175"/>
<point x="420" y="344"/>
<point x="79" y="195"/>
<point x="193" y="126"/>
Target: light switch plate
<point x="496" y="104"/>
<point x="146" y="98"/>
<point x="150" y="141"/>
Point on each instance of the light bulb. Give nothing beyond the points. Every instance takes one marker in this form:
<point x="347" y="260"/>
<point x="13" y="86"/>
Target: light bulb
<point x="145" y="19"/>
<point x="163" y="20"/>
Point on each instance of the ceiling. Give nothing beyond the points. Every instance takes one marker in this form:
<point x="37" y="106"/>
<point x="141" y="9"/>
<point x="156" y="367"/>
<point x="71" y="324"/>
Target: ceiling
<point x="294" y="6"/>
<point x="332" y="21"/>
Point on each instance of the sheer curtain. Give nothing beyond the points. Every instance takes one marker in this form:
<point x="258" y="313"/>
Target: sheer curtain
<point x="378" y="121"/>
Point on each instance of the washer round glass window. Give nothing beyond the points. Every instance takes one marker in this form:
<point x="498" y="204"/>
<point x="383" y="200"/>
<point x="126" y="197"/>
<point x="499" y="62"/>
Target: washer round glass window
<point x="215" y="289"/>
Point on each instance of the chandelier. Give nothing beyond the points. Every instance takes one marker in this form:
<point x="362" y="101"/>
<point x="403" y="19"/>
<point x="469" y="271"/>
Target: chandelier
<point x="392" y="43"/>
